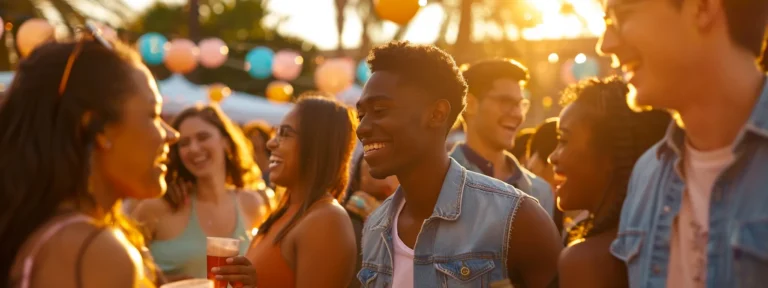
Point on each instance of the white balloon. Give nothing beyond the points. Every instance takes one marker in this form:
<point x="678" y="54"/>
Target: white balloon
<point x="32" y="33"/>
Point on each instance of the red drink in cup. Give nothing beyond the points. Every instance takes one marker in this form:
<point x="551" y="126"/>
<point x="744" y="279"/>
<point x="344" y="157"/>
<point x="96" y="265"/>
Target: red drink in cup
<point x="218" y="250"/>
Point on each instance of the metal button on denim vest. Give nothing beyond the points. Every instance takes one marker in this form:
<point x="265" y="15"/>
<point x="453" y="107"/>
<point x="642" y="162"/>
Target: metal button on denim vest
<point x="737" y="249"/>
<point x="463" y="243"/>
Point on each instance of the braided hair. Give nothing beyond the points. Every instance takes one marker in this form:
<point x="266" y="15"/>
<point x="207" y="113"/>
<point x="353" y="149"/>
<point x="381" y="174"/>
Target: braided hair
<point x="617" y="130"/>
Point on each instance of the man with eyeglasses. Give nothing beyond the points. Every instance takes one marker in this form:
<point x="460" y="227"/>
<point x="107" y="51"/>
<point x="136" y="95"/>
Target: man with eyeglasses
<point x="496" y="109"/>
<point x="695" y="213"/>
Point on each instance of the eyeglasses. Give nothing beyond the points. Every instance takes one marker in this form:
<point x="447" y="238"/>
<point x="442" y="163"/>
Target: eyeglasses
<point x="284" y="131"/>
<point x="616" y="14"/>
<point x="94" y="32"/>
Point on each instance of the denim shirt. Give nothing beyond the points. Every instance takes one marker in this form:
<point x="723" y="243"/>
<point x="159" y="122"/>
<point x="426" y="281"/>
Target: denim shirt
<point x="522" y="179"/>
<point x="462" y="244"/>
<point x="737" y="248"/>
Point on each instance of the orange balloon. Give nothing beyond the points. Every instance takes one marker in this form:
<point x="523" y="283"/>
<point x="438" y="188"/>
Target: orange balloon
<point x="217" y="92"/>
<point x="398" y="11"/>
<point x="279" y="91"/>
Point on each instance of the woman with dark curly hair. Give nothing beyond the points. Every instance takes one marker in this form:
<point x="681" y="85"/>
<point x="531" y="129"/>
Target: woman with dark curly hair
<point x="211" y="176"/>
<point x="599" y="141"/>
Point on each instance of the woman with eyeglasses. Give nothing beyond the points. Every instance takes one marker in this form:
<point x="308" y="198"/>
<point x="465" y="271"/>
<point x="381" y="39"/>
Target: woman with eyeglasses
<point x="212" y="180"/>
<point x="80" y="130"/>
<point x="599" y="140"/>
<point x="308" y="241"/>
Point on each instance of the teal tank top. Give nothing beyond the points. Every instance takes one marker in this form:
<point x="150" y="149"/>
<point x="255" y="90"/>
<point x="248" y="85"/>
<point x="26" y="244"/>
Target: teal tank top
<point x="185" y="254"/>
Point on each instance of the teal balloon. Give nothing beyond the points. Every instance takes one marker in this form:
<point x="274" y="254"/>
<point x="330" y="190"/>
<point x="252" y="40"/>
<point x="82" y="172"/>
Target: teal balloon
<point x="363" y="72"/>
<point x="259" y="62"/>
<point x="588" y="69"/>
<point x="151" y="48"/>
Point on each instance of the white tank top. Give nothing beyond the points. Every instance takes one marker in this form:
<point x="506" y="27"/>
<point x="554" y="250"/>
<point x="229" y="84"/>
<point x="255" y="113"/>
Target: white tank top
<point x="403" y="274"/>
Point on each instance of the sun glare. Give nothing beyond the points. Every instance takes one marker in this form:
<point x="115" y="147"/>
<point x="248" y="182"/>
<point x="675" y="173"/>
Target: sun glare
<point x="566" y="19"/>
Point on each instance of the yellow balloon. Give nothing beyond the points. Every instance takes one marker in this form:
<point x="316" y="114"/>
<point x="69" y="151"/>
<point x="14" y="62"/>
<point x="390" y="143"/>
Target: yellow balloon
<point x="279" y="91"/>
<point x="217" y="93"/>
<point x="398" y="11"/>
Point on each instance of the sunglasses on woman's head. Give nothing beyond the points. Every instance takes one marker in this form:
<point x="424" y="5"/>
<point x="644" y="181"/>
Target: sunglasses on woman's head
<point x="90" y="30"/>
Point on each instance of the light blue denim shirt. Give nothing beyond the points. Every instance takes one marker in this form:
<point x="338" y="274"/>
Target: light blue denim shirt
<point x="737" y="249"/>
<point x="463" y="243"/>
<point x="523" y="179"/>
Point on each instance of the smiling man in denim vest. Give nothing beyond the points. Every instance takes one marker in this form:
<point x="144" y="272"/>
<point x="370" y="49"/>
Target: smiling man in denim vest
<point x="695" y="214"/>
<point x="496" y="109"/>
<point x="444" y="226"/>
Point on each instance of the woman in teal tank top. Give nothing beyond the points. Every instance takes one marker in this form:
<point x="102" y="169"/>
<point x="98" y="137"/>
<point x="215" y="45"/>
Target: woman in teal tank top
<point x="212" y="178"/>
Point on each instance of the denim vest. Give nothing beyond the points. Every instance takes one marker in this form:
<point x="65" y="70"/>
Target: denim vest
<point x="737" y="249"/>
<point x="523" y="179"/>
<point x="463" y="243"/>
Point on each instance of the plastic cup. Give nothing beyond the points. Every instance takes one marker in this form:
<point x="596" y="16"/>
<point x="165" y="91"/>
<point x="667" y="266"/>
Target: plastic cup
<point x="218" y="250"/>
<point x="190" y="283"/>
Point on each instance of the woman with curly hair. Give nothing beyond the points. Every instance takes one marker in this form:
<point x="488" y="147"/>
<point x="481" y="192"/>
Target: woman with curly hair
<point x="599" y="140"/>
<point x="211" y="176"/>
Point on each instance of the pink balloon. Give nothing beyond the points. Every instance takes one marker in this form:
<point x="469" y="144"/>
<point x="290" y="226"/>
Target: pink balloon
<point x="213" y="52"/>
<point x="2" y="26"/>
<point x="181" y="56"/>
<point x="32" y="33"/>
<point x="334" y="76"/>
<point x="287" y="65"/>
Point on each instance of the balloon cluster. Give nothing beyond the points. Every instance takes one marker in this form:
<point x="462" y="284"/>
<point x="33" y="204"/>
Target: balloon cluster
<point x="182" y="55"/>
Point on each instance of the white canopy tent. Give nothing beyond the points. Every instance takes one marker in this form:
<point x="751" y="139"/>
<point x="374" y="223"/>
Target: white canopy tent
<point x="179" y="93"/>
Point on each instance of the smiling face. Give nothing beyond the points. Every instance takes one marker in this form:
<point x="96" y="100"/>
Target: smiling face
<point x="134" y="160"/>
<point x="659" y="49"/>
<point x="202" y="148"/>
<point x="496" y="116"/>
<point x="581" y="169"/>
<point x="393" y="126"/>
<point x="284" y="148"/>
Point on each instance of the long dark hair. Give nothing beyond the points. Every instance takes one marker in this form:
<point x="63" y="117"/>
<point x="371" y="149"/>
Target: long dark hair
<point x="356" y="180"/>
<point x="764" y="58"/>
<point x="622" y="133"/>
<point x="240" y="170"/>
<point x="326" y="142"/>
<point x="46" y="146"/>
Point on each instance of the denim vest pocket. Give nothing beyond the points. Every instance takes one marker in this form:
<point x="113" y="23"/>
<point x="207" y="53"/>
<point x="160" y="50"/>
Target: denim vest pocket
<point x="369" y="278"/>
<point x="626" y="248"/>
<point x="465" y="272"/>
<point x="750" y="253"/>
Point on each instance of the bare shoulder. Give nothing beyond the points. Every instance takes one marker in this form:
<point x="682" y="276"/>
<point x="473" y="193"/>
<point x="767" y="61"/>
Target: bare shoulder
<point x="109" y="254"/>
<point x="590" y="263"/>
<point x="252" y="206"/>
<point x="327" y="218"/>
<point x="250" y="200"/>
<point x="148" y="214"/>
<point x="530" y="217"/>
<point x="85" y="247"/>
<point x="150" y="209"/>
